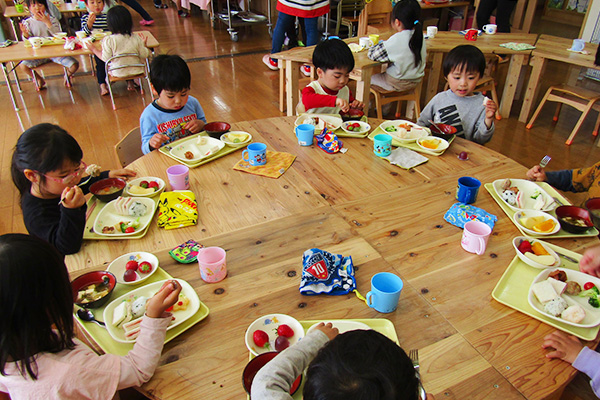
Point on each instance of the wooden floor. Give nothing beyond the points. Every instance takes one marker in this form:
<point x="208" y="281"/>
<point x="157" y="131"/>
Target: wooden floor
<point x="232" y="85"/>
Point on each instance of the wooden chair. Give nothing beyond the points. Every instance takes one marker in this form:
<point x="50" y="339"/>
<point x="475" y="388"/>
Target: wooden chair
<point x="303" y="81"/>
<point x="383" y="97"/>
<point x="348" y="12"/>
<point x="375" y="18"/>
<point x="141" y="63"/>
<point x="579" y="98"/>
<point x="129" y="148"/>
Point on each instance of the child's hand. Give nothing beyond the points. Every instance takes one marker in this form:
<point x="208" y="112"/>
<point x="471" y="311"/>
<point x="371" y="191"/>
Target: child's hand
<point x="590" y="262"/>
<point x="194" y="126"/>
<point x="328" y="329"/>
<point x="566" y="347"/>
<point x="24" y="30"/>
<point x="166" y="297"/>
<point x="158" y="140"/>
<point x="72" y="197"/>
<point x="536" y="174"/>
<point x="490" y="108"/>
<point x="91" y="20"/>
<point x="357" y="104"/>
<point x="343" y="104"/>
<point x="121" y="173"/>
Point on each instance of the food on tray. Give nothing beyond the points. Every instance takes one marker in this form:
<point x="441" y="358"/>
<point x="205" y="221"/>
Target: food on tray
<point x="121" y="314"/>
<point x="93" y="170"/>
<point x="544" y="260"/>
<point x="559" y="286"/>
<point x="281" y="343"/>
<point x="593" y="295"/>
<point x="406" y="131"/>
<point x="544" y="291"/>
<point x="138" y="306"/>
<point x="516" y="198"/>
<point x="92" y="292"/>
<point x="130" y="207"/>
<point x="431" y="143"/>
<point x="129" y="275"/>
<point x="311" y="121"/>
<point x="576" y="221"/>
<point x="189" y="155"/>
<point x="132" y="264"/>
<point x="132" y="329"/>
<point x="353" y="126"/>
<point x="537" y="224"/>
<point x="573" y="313"/>
<point x="128" y="315"/>
<point x="145" y="187"/>
<point x="237" y="137"/>
<point x="108" y="229"/>
<point x="558" y="275"/>
<point x="536" y="252"/>
<point x="261" y="339"/>
<point x="573" y="288"/>
<point x="122" y="227"/>
<point x="285" y="330"/>
<point x="145" y="267"/>
<point x="556" y="306"/>
<point x="108" y="190"/>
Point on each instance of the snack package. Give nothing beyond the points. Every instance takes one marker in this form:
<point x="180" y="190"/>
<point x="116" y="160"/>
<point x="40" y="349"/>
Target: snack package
<point x="326" y="273"/>
<point x="329" y="142"/>
<point x="186" y="252"/>
<point x="177" y="209"/>
<point x="459" y="214"/>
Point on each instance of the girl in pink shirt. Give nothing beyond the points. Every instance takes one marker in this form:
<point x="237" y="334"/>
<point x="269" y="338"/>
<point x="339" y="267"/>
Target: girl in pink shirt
<point x="39" y="356"/>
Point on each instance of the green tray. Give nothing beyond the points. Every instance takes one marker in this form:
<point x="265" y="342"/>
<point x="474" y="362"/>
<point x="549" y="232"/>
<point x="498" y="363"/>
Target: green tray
<point x="339" y="132"/>
<point x="412" y="146"/>
<point x="592" y="232"/>
<point x="513" y="289"/>
<point x="108" y="344"/>
<point x="223" y="152"/>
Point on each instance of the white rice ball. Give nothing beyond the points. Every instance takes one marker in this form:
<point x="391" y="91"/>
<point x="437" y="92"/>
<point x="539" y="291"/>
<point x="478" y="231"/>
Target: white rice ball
<point x="556" y="307"/>
<point x="137" y="209"/>
<point x="510" y="197"/>
<point x="138" y="307"/>
<point x="574" y="313"/>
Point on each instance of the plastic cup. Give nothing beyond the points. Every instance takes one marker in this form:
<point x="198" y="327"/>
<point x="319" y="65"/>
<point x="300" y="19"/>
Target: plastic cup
<point x="212" y="263"/>
<point x="490" y="29"/>
<point x="432" y="31"/>
<point x="385" y="292"/>
<point x="365" y="42"/>
<point x="374" y="39"/>
<point x="475" y="237"/>
<point x="467" y="189"/>
<point x="305" y="134"/>
<point x="81" y="34"/>
<point x="20" y="8"/>
<point x="255" y="154"/>
<point x="382" y="145"/>
<point x="578" y="45"/>
<point x="179" y="177"/>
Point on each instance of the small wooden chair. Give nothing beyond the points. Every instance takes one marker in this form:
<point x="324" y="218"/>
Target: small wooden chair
<point x="383" y="97"/>
<point x="579" y="98"/>
<point x="111" y="78"/>
<point x="348" y="12"/>
<point x="129" y="148"/>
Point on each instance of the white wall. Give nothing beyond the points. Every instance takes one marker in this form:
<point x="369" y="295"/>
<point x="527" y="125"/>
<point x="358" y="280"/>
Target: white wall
<point x="591" y="30"/>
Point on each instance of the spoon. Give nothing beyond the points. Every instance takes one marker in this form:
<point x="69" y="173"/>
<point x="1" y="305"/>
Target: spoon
<point x="80" y="184"/>
<point x="88" y="315"/>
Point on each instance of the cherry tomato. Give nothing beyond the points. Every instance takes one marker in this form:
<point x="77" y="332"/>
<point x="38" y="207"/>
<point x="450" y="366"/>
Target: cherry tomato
<point x="130" y="229"/>
<point x="588" y="286"/>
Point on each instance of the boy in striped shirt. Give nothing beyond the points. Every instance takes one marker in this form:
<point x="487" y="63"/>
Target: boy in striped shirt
<point x="96" y="19"/>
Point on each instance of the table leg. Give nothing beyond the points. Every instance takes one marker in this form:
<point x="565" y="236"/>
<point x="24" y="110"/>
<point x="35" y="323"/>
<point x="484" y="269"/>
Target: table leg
<point x="15" y="27"/>
<point x="363" y="86"/>
<point x="282" y="87"/>
<point x="465" y="15"/>
<point x="510" y="85"/>
<point x="538" y="65"/>
<point x="434" y="76"/>
<point x="292" y="76"/>
<point x="9" y="86"/>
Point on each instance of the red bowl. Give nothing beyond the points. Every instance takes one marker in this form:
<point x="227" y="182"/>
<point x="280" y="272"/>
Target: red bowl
<point x="97" y="187"/>
<point x="574" y="212"/>
<point x="256" y="364"/>
<point x="444" y="130"/>
<point x="89" y="278"/>
<point x="216" y="129"/>
<point x="353" y="114"/>
<point x="593" y="207"/>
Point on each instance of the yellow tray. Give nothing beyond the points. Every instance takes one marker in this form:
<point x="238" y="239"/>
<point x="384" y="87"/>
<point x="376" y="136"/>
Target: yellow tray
<point x="108" y="344"/>
<point x="47" y="42"/>
<point x="381" y="325"/>
<point x="223" y="152"/>
<point x="412" y="146"/>
<point x="592" y="232"/>
<point x="513" y="289"/>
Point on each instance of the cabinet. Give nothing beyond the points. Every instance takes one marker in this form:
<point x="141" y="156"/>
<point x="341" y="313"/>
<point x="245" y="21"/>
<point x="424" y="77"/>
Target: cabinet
<point x="570" y="12"/>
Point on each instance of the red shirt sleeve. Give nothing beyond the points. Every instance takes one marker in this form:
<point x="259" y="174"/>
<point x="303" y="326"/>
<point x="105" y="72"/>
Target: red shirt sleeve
<point x="311" y="99"/>
<point x="351" y="96"/>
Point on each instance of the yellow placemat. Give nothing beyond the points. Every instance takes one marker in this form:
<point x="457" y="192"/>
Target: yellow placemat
<point x="277" y="163"/>
<point x="177" y="209"/>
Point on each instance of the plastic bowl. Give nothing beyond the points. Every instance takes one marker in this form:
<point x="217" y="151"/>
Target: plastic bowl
<point x="256" y="364"/>
<point x="593" y="207"/>
<point x="93" y="277"/>
<point x="517" y="241"/>
<point x="531" y="213"/>
<point x="353" y="114"/>
<point x="216" y="129"/>
<point x="97" y="187"/>
<point x="225" y="138"/>
<point x="137" y="181"/>
<point x="269" y="324"/>
<point x="574" y="212"/>
<point x="364" y="127"/>
<point x="445" y="131"/>
<point x="442" y="145"/>
<point x="117" y="267"/>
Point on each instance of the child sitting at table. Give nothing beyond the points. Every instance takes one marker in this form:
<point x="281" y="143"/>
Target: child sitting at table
<point x="96" y="19"/>
<point x="122" y="41"/>
<point x="175" y="114"/>
<point x="472" y="114"/>
<point x="360" y="364"/>
<point x="40" y="358"/>
<point x="570" y="180"/>
<point x="329" y="94"/>
<point x="404" y="73"/>
<point x="46" y="169"/>
<point x="42" y="24"/>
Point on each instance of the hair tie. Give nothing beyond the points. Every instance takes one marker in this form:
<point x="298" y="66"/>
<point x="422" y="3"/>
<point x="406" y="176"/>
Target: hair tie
<point x="416" y="22"/>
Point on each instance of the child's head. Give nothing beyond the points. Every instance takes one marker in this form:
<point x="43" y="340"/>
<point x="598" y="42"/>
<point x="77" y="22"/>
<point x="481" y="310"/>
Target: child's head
<point x="48" y="158"/>
<point x="406" y="15"/>
<point x="35" y="297"/>
<point x="95" y="6"/>
<point x="463" y="67"/>
<point x="119" y="20"/>
<point x="171" y="80"/>
<point x="36" y="5"/>
<point x="361" y="364"/>
<point x="334" y="61"/>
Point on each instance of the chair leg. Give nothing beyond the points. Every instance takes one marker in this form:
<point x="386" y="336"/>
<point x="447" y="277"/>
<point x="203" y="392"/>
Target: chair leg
<point x="495" y="98"/>
<point x="537" y="110"/>
<point x="399" y="109"/>
<point x="282" y="88"/>
<point x="378" y="105"/>
<point x="584" y="114"/>
<point x="557" y="112"/>
<point x="595" y="132"/>
<point x="111" y="94"/>
<point x="141" y="87"/>
<point x="67" y="79"/>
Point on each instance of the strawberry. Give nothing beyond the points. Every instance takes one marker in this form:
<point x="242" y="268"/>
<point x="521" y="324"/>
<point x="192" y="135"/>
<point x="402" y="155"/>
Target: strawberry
<point x="285" y="330"/>
<point x="153" y="185"/>
<point x="145" y="267"/>
<point x="261" y="339"/>
<point x="525" y="247"/>
<point x="356" y="125"/>
<point x="132" y="264"/>
<point x="144" y="184"/>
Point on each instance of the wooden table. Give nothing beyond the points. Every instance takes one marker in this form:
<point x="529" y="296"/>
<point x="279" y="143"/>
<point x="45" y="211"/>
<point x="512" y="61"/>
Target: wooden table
<point x="488" y="44"/>
<point x="18" y="52"/>
<point x="14" y="16"/>
<point x="387" y="219"/>
<point x="464" y="5"/>
<point x="555" y="49"/>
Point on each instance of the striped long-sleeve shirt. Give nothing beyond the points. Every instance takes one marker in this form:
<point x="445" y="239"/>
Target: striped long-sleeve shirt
<point x="99" y="23"/>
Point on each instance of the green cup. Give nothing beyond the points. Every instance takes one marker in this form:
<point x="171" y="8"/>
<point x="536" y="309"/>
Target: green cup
<point x="20" y="8"/>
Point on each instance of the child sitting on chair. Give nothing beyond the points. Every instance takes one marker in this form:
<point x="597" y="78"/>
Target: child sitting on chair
<point x="570" y="180"/>
<point x="330" y="94"/>
<point x="42" y="24"/>
<point x="470" y="112"/>
<point x="175" y="114"/>
<point x="93" y="20"/>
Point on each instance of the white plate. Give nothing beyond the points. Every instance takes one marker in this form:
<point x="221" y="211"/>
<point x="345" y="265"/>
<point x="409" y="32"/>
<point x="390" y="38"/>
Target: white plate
<point x="148" y="291"/>
<point x="400" y="134"/>
<point x="200" y="146"/>
<point x="592" y="315"/>
<point x="269" y="324"/>
<point x="364" y="127"/>
<point x="117" y="267"/>
<point x="342" y="326"/>
<point x="109" y="217"/>
<point x="331" y="121"/>
<point x="161" y="186"/>
<point x="528" y="188"/>
<point x="529" y="213"/>
<point x="529" y="261"/>
<point x="225" y="139"/>
<point x="442" y="144"/>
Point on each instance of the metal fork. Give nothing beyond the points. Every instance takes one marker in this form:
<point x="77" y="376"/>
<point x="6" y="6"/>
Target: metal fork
<point x="414" y="357"/>
<point x="545" y="161"/>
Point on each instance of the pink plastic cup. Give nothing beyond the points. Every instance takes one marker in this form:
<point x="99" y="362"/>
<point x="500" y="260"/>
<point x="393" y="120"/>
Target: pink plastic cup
<point x="213" y="267"/>
<point x="475" y="237"/>
<point x="179" y="177"/>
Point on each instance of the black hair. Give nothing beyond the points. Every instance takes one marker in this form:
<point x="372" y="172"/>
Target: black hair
<point x="36" y="302"/>
<point x="119" y="20"/>
<point x="42" y="148"/>
<point x="29" y="2"/>
<point x="466" y="58"/>
<point x="409" y="13"/>
<point x="331" y="54"/>
<point x="170" y="72"/>
<point x="361" y="364"/>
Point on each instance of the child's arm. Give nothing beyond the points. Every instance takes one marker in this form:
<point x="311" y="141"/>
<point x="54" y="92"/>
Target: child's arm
<point x="151" y="140"/>
<point x="122" y="173"/>
<point x="197" y="124"/>
<point x="378" y="53"/>
<point x="86" y="25"/>
<point x="490" y="112"/>
<point x="590" y="262"/>
<point x="482" y="133"/>
<point x="94" y="49"/>
<point x="354" y="103"/>
<point x="24" y="29"/>
<point x="311" y="99"/>
<point x="536" y="174"/>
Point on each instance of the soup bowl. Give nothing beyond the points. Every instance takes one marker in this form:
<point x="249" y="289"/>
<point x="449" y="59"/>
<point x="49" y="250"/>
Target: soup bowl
<point x="256" y="364"/>
<point x="568" y="216"/>
<point x="216" y="129"/>
<point x="593" y="207"/>
<point x="108" y="189"/>
<point x="97" y="277"/>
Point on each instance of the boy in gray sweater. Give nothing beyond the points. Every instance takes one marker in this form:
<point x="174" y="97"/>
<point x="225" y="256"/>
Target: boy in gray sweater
<point x="471" y="113"/>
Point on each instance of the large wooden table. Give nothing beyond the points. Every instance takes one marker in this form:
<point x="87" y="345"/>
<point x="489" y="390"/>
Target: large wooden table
<point x="387" y="219"/>
<point x="552" y="48"/>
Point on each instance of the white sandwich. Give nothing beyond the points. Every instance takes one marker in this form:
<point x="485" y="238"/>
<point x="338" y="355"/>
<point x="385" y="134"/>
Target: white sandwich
<point x="544" y="291"/>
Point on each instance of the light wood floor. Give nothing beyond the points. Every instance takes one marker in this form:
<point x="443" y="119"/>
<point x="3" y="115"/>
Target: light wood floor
<point x="232" y="85"/>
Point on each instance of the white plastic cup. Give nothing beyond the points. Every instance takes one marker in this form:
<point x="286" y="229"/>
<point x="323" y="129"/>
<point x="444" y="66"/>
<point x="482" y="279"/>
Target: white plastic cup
<point x="432" y="31"/>
<point x="179" y="177"/>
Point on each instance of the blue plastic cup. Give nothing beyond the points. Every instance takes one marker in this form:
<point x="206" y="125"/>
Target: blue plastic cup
<point x="467" y="189"/>
<point x="382" y="145"/>
<point x="385" y="292"/>
<point x="255" y="154"/>
<point x="305" y="134"/>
